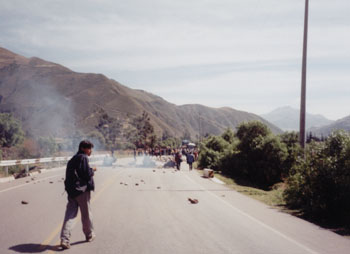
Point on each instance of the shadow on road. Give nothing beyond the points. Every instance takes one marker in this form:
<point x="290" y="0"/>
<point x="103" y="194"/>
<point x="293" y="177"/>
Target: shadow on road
<point x="34" y="248"/>
<point x="38" y="248"/>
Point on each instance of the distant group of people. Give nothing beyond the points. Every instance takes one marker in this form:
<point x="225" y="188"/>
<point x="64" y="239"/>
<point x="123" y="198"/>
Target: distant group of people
<point x="191" y="157"/>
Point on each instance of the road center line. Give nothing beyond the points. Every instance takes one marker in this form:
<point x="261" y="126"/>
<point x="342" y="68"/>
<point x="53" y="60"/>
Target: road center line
<point x="254" y="219"/>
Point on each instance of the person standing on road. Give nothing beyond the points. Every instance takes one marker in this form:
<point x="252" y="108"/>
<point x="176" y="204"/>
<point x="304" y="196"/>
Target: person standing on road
<point x="135" y="154"/>
<point x="190" y="159"/>
<point x="178" y="160"/>
<point x="79" y="183"/>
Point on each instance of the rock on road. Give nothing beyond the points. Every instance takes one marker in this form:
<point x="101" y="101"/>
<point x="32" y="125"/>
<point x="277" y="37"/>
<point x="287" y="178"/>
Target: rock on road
<point x="147" y="210"/>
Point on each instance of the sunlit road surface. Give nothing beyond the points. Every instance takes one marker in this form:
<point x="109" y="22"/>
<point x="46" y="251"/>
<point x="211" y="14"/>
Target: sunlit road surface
<point x="154" y="217"/>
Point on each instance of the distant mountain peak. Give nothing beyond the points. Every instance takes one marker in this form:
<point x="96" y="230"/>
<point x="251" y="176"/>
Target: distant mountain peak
<point x="287" y="118"/>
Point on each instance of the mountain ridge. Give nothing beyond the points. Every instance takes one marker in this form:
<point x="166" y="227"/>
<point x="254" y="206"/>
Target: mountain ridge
<point x="51" y="99"/>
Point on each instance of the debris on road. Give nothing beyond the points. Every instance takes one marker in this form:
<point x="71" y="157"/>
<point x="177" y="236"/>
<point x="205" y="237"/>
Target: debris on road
<point x="51" y="182"/>
<point x="154" y="170"/>
<point x="208" y="173"/>
<point x="193" y="201"/>
<point x="158" y="187"/>
<point x="24" y="202"/>
<point x="121" y="182"/>
<point x="169" y="164"/>
<point x="136" y="184"/>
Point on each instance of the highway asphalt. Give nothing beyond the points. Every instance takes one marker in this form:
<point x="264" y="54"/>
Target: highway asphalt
<point x="146" y="210"/>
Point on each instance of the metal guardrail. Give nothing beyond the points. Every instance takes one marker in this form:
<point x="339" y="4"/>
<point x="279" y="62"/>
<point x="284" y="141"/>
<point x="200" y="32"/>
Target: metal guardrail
<point x="28" y="162"/>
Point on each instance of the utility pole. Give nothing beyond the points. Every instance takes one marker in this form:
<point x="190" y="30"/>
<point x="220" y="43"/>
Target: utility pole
<point x="303" y="78"/>
<point x="199" y="128"/>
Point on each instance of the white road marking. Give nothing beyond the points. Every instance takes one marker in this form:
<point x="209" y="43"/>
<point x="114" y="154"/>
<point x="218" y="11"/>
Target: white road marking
<point x="254" y="219"/>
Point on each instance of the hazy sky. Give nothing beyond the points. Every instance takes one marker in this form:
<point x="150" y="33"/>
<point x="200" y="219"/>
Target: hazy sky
<point x="245" y="54"/>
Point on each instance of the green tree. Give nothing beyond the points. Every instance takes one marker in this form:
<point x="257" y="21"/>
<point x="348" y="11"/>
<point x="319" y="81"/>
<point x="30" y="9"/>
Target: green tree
<point x="11" y="132"/>
<point x="111" y="130"/>
<point x="211" y="152"/>
<point x="141" y="133"/>
<point x="229" y="136"/>
<point x="320" y="184"/>
<point x="291" y="140"/>
<point x="261" y="155"/>
<point x="247" y="133"/>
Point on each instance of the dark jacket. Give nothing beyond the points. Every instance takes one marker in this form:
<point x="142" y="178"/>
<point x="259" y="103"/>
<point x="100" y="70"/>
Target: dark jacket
<point x="190" y="158"/>
<point x="79" y="175"/>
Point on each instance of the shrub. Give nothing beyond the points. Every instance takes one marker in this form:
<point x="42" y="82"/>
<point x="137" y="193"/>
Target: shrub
<point x="320" y="184"/>
<point x="211" y="152"/>
<point x="229" y="136"/>
<point x="294" y="150"/>
<point x="261" y="155"/>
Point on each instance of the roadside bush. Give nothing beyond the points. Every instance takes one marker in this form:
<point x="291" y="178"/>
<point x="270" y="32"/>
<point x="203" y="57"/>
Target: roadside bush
<point x="211" y="152"/>
<point x="320" y="184"/>
<point x="263" y="163"/>
<point x="229" y="136"/>
<point x="294" y="150"/>
<point x="253" y="154"/>
<point x="261" y="155"/>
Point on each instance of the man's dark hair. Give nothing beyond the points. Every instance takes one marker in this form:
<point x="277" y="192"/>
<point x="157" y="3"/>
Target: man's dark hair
<point x="85" y="144"/>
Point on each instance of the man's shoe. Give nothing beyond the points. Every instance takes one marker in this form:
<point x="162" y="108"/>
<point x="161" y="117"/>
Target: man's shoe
<point x="90" y="238"/>
<point x="65" y="245"/>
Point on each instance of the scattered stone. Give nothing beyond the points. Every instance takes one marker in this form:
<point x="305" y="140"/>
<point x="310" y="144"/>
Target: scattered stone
<point x="163" y="172"/>
<point x="62" y="178"/>
<point x="39" y="171"/>
<point x="136" y="184"/>
<point x="27" y="181"/>
<point x="158" y="187"/>
<point x="125" y="184"/>
<point x="193" y="201"/>
<point x="154" y="170"/>
<point x="51" y="182"/>
<point x="24" y="202"/>
<point x="121" y="182"/>
<point x="33" y="178"/>
<point x="223" y="196"/>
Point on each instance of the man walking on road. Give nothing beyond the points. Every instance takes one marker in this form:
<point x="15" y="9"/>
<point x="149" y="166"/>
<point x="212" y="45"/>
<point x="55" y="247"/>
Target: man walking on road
<point x="190" y="159"/>
<point x="178" y="160"/>
<point x="78" y="184"/>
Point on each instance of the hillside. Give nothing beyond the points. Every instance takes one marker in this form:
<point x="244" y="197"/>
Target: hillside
<point x="287" y="118"/>
<point x="341" y="124"/>
<point x="50" y="99"/>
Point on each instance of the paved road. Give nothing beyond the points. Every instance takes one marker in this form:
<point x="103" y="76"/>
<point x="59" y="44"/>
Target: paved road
<point x="148" y="219"/>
